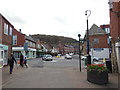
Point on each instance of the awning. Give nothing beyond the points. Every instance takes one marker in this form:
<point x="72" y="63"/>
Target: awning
<point x="3" y="47"/>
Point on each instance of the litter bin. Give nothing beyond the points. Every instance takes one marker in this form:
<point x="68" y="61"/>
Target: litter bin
<point x="109" y="65"/>
<point x="88" y="59"/>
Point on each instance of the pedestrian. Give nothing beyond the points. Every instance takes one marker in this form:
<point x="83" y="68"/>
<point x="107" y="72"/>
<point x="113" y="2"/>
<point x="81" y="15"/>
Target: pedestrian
<point x="11" y="63"/>
<point x="25" y="61"/>
<point x="21" y="60"/>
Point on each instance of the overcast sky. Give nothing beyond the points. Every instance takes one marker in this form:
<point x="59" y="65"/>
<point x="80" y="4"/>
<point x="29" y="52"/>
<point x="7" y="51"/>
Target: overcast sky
<point x="54" y="17"/>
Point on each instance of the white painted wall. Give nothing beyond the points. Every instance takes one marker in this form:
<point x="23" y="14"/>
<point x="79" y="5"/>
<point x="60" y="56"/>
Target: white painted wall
<point x="100" y="53"/>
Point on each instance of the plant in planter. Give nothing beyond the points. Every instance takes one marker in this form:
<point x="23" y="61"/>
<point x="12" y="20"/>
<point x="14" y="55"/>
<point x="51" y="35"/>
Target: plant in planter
<point x="97" y="73"/>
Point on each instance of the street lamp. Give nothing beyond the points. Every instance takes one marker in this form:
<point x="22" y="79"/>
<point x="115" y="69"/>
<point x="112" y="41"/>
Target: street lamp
<point x="79" y="53"/>
<point x="88" y="48"/>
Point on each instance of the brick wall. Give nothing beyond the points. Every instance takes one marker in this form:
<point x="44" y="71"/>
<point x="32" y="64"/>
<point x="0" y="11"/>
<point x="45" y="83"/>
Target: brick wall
<point x="7" y="39"/>
<point x="0" y="29"/>
<point x="115" y="21"/>
<point x="103" y="43"/>
<point x="20" y="38"/>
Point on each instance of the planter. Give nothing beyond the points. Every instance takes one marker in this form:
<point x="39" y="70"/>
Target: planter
<point x="97" y="77"/>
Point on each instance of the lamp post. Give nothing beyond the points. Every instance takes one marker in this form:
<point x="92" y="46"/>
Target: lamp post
<point x="88" y="48"/>
<point x="79" y="53"/>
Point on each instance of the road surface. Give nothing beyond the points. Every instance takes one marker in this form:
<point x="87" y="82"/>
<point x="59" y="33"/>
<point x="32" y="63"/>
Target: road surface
<point x="59" y="73"/>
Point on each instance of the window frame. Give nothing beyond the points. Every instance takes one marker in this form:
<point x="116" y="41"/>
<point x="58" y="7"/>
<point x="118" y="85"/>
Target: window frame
<point x="14" y="40"/>
<point x="6" y="29"/>
<point x="11" y="31"/>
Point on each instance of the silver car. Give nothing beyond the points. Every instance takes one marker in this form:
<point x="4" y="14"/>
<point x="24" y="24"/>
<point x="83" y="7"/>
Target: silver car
<point x="67" y="56"/>
<point x="47" y="57"/>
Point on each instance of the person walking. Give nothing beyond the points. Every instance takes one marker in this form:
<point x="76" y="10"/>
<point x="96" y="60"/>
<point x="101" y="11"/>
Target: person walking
<point x="25" y="61"/>
<point x="11" y="63"/>
<point x="21" y="60"/>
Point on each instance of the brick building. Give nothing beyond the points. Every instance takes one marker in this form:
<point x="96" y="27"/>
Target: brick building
<point x="69" y="49"/>
<point x="6" y="29"/>
<point x="106" y="28"/>
<point x="18" y="43"/>
<point x="23" y="44"/>
<point x="99" y="46"/>
<point x="115" y="33"/>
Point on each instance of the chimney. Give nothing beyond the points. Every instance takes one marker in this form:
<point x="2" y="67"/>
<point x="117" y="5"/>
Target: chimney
<point x="19" y="30"/>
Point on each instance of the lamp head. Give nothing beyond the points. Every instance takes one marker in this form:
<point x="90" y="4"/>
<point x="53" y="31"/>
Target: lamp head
<point x="86" y="13"/>
<point x="79" y="35"/>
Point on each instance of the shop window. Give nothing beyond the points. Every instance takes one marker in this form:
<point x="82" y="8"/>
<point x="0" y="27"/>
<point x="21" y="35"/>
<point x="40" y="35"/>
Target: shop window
<point x="2" y="54"/>
<point x="17" y="54"/>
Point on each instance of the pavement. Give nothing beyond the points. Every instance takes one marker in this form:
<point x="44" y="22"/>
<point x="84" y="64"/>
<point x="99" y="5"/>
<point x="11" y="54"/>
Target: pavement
<point x="45" y="77"/>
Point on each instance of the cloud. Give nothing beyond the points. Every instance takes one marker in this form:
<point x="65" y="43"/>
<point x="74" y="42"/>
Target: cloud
<point x="60" y="19"/>
<point x="13" y="18"/>
<point x="114" y="0"/>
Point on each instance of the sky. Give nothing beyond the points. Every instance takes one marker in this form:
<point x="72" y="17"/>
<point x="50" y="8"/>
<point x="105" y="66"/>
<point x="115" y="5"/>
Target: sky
<point x="55" y="17"/>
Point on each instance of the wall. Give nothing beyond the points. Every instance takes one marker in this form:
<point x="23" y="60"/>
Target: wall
<point x="0" y="29"/>
<point x="118" y="54"/>
<point x="115" y="21"/>
<point x="7" y="39"/>
<point x="100" y="53"/>
<point x="20" y="38"/>
<point x="103" y="43"/>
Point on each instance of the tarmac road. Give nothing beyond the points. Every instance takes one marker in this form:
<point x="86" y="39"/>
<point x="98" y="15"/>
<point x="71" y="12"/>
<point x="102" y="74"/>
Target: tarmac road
<point x="59" y="73"/>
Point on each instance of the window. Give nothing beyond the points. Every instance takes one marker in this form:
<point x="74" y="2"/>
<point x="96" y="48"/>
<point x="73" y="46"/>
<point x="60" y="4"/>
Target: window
<point x="107" y="30"/>
<point x="2" y="56"/>
<point x="30" y="44"/>
<point x="96" y="40"/>
<point x="5" y="28"/>
<point x="33" y="44"/>
<point x="10" y="33"/>
<point x="17" y="54"/>
<point x="38" y="46"/>
<point x="15" y="40"/>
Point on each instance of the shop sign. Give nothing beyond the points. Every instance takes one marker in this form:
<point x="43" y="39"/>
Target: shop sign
<point x="3" y="47"/>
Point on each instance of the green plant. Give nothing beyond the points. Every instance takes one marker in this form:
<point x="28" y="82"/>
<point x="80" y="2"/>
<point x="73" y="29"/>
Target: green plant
<point x="96" y="67"/>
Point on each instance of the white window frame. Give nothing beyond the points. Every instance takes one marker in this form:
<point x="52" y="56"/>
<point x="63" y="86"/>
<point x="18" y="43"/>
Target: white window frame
<point x="11" y="30"/>
<point x="14" y="39"/>
<point x="5" y="28"/>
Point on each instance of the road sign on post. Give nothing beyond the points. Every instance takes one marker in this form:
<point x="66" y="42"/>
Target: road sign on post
<point x="26" y="46"/>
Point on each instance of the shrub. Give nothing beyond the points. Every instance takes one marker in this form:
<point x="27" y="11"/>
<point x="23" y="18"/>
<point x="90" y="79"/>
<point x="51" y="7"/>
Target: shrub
<point x="96" y="67"/>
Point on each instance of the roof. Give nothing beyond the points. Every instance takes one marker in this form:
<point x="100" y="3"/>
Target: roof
<point x="6" y="19"/>
<point x="30" y="38"/>
<point x="95" y="30"/>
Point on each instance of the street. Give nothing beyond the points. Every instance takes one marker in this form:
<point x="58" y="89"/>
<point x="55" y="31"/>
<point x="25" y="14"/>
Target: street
<point x="59" y="73"/>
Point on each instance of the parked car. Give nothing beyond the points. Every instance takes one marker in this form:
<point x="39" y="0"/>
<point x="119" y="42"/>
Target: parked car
<point x="59" y="55"/>
<point x="71" y="54"/>
<point x="47" y="57"/>
<point x="83" y="58"/>
<point x="95" y="58"/>
<point x="67" y="56"/>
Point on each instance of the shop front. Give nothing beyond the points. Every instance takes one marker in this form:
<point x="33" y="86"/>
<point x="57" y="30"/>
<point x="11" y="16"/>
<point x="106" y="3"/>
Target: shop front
<point x="31" y="53"/>
<point x="3" y="55"/>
